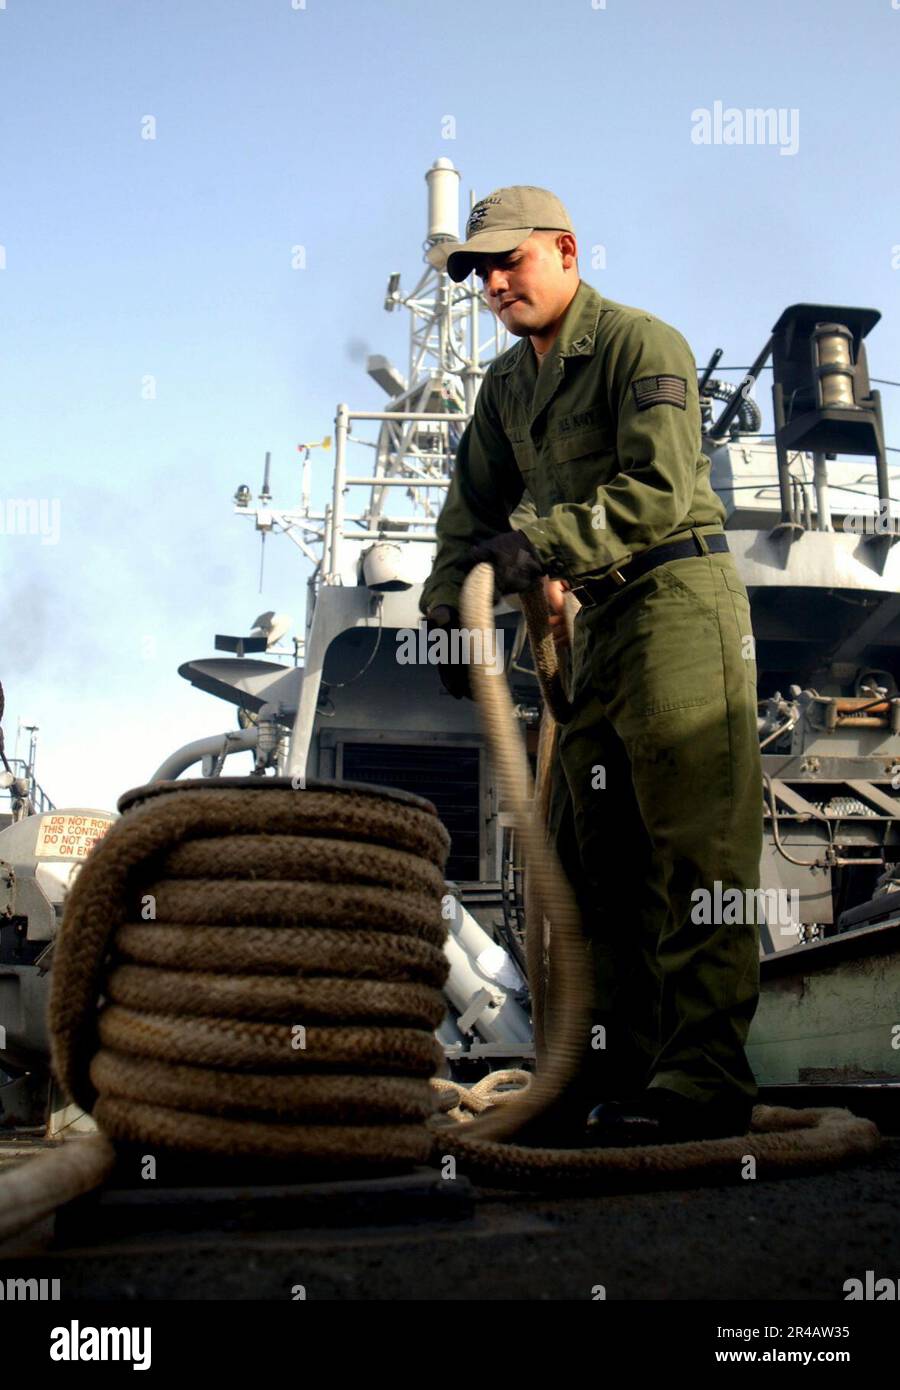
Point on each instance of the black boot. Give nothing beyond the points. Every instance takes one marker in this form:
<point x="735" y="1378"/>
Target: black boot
<point x="660" y="1116"/>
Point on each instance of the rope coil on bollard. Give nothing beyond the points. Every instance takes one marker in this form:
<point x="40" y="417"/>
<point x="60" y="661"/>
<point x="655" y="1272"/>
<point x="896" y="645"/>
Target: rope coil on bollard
<point x="324" y="1059"/>
<point x="216" y="918"/>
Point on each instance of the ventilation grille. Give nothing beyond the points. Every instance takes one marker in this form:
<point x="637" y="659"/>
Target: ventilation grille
<point x="448" y="777"/>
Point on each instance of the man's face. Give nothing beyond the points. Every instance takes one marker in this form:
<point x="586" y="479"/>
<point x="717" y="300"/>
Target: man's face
<point x="529" y="287"/>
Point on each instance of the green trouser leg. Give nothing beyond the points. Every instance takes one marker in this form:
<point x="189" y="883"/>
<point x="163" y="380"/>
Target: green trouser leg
<point x="664" y="806"/>
<point x="606" y="854"/>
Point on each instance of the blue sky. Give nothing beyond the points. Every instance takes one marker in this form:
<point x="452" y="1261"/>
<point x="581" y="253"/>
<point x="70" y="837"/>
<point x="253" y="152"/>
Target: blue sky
<point x="170" y="258"/>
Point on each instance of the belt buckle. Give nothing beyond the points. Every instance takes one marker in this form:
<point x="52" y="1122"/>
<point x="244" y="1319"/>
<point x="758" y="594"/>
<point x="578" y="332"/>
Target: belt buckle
<point x="583" y="595"/>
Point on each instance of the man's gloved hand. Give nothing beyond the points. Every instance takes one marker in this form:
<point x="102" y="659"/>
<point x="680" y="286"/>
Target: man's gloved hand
<point x="517" y="565"/>
<point x="454" y="675"/>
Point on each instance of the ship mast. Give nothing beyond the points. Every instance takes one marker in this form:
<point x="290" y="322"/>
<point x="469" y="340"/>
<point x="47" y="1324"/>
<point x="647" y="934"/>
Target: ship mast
<point x="418" y="430"/>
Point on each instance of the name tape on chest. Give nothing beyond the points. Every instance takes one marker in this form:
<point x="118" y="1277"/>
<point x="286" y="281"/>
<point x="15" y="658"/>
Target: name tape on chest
<point x="660" y="390"/>
<point x="582" y="420"/>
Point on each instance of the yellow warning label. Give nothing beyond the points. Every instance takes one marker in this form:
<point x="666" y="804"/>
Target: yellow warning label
<point x="69" y="837"/>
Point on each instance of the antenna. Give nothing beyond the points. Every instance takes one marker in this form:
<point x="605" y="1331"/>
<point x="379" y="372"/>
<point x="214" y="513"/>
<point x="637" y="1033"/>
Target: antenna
<point x="324" y="443"/>
<point x="265" y="498"/>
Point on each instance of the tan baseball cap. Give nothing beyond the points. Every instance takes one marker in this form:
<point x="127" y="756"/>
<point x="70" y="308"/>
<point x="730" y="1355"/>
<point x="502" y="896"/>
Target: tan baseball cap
<point x="500" y="222"/>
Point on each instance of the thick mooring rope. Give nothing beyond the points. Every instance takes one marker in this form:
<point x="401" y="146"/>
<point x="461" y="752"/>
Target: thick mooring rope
<point x="557" y="710"/>
<point x="543" y="648"/>
<point x="268" y="965"/>
<point x="281" y="1000"/>
<point x="218" y="918"/>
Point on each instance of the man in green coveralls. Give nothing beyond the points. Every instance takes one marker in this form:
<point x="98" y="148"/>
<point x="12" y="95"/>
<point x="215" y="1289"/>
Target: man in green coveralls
<point x="658" y="802"/>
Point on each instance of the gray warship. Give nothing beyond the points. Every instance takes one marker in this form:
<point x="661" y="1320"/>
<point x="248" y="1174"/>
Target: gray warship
<point x="810" y="523"/>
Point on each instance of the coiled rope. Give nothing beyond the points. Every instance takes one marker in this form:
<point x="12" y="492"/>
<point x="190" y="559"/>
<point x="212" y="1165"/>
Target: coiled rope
<point x="269" y="967"/>
<point x="219" y="923"/>
<point x="283" y="1000"/>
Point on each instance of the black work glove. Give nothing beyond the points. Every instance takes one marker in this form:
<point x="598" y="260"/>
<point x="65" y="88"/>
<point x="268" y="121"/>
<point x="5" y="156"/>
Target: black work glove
<point x="517" y="565"/>
<point x="454" y="675"/>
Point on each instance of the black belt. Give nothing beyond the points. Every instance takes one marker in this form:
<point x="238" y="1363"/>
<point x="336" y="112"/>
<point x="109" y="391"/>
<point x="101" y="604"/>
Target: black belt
<point x="594" y="591"/>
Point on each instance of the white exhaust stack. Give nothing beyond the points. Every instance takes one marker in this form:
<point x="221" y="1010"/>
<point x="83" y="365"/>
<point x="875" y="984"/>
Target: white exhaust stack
<point x="443" y="202"/>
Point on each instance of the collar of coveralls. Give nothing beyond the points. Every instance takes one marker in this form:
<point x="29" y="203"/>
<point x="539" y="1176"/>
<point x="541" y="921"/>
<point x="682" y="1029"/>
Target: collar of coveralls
<point x="577" y="335"/>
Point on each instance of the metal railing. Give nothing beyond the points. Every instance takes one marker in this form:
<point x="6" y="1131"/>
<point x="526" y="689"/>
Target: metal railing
<point x="336" y="519"/>
<point x="39" y="799"/>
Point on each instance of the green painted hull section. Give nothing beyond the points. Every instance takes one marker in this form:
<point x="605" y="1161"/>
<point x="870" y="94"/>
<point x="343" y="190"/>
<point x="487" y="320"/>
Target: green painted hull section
<point x="830" y="1012"/>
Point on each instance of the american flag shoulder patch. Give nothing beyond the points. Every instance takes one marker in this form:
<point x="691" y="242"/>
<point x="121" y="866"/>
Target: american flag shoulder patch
<point x="660" y="390"/>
